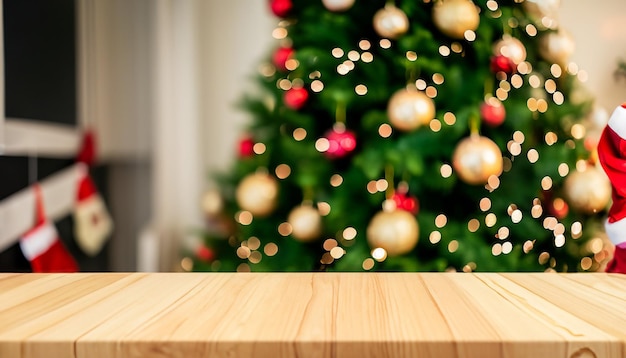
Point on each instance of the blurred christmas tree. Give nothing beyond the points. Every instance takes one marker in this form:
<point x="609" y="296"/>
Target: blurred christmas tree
<point x="413" y="135"/>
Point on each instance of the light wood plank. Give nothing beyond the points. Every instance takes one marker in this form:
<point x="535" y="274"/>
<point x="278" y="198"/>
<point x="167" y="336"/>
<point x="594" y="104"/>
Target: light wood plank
<point x="150" y="315"/>
<point x="514" y="326"/>
<point x="61" y="327"/>
<point x="472" y="331"/>
<point x="382" y="315"/>
<point x="563" y="309"/>
<point x="25" y="308"/>
<point x="240" y="315"/>
<point x="311" y="311"/>
<point x="312" y="315"/>
<point x="611" y="284"/>
<point x="14" y="280"/>
<point x="601" y="310"/>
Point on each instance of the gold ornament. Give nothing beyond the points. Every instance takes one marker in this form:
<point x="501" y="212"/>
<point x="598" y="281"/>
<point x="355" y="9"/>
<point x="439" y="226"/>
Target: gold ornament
<point x="454" y="17"/>
<point x="212" y="203"/>
<point x="395" y="231"/>
<point x="338" y="5"/>
<point x="556" y="47"/>
<point x="391" y="22"/>
<point x="539" y="9"/>
<point x="257" y="193"/>
<point x="511" y="48"/>
<point x="306" y="223"/>
<point x="588" y="191"/>
<point x="476" y="158"/>
<point x="408" y="110"/>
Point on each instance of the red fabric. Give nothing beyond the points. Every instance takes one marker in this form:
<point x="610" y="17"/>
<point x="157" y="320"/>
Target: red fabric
<point x="618" y="263"/>
<point x="86" y="188"/>
<point x="87" y="153"/>
<point x="612" y="155"/>
<point x="40" y="211"/>
<point x="55" y="259"/>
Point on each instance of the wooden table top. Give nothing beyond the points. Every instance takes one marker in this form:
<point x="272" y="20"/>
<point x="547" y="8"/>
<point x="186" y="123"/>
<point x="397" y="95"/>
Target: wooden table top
<point x="312" y="315"/>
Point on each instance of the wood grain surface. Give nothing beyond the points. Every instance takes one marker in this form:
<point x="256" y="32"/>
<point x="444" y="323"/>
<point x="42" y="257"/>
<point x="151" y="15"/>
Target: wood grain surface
<point x="313" y="315"/>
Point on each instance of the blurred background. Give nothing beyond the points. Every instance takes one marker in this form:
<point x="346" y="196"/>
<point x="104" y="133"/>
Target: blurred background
<point x="157" y="81"/>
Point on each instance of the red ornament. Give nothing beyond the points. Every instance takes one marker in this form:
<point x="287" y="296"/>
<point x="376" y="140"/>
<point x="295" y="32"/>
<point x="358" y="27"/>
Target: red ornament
<point x="559" y="208"/>
<point x="492" y="112"/>
<point x="296" y="97"/>
<point x="281" y="56"/>
<point x="501" y="63"/>
<point x="340" y="142"/>
<point x="205" y="254"/>
<point x="246" y="147"/>
<point x="554" y="206"/>
<point x="281" y="8"/>
<point x="406" y="202"/>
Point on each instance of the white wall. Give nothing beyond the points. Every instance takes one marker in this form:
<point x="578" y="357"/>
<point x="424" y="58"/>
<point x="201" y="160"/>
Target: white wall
<point x="236" y="34"/>
<point x="599" y="30"/>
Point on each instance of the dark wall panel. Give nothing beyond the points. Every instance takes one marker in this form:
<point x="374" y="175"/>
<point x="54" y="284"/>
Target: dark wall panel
<point x="15" y="172"/>
<point x="40" y="60"/>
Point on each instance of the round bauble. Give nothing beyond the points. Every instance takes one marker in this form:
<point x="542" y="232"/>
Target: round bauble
<point x="395" y="231"/>
<point x="476" y="158"/>
<point x="511" y="48"/>
<point x="559" y="208"/>
<point x="391" y="22"/>
<point x="587" y="191"/>
<point x="406" y="202"/>
<point x="500" y="63"/>
<point x="556" y="47"/>
<point x="205" y="253"/>
<point x="455" y="17"/>
<point x="408" y="110"/>
<point x="281" y="56"/>
<point x="492" y="112"/>
<point x="246" y="147"/>
<point x="338" y="5"/>
<point x="257" y="193"/>
<point x="306" y="223"/>
<point x="281" y="8"/>
<point x="341" y="142"/>
<point x="296" y="97"/>
<point x="539" y="9"/>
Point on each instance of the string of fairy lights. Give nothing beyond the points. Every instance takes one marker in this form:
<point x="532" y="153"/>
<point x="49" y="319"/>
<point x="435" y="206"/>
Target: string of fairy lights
<point x="256" y="193"/>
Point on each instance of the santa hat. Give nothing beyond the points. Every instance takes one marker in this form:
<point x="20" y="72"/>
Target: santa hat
<point x="93" y="225"/>
<point x="41" y="245"/>
<point x="612" y="155"/>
